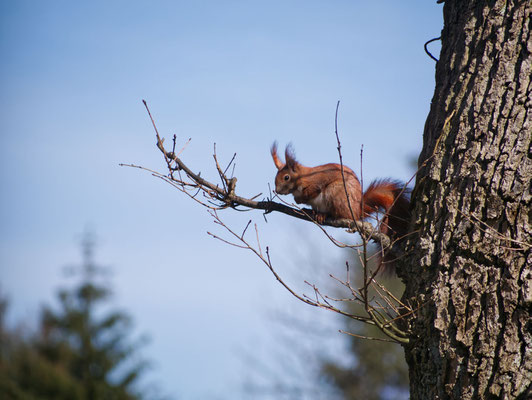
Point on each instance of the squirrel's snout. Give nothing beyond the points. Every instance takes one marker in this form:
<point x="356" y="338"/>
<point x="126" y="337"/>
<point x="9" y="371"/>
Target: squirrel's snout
<point x="281" y="190"/>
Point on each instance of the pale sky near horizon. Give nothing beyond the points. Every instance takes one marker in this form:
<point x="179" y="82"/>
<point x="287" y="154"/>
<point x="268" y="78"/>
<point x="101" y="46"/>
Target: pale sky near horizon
<point x="240" y="74"/>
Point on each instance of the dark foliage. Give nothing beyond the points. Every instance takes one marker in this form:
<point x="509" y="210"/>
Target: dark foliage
<point x="79" y="352"/>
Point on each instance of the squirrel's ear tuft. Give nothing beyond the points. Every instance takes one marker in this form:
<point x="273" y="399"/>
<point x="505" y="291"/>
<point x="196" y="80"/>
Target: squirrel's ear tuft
<point x="290" y="157"/>
<point x="276" y="160"/>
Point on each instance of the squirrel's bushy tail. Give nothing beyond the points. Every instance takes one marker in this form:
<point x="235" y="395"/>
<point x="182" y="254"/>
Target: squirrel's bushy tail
<point x="392" y="198"/>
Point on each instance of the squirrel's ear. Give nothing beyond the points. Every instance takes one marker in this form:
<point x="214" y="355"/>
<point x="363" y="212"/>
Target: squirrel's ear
<point x="278" y="163"/>
<point x="290" y="157"/>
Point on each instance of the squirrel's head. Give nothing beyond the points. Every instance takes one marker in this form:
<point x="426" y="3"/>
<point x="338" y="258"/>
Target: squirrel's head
<point x="285" y="180"/>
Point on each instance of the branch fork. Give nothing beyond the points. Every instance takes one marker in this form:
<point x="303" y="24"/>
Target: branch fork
<point x="383" y="311"/>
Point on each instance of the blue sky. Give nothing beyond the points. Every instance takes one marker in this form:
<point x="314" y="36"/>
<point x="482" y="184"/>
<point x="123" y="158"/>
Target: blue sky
<point x="240" y="74"/>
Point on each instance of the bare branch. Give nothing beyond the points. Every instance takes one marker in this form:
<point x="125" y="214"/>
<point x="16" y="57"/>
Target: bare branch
<point x="366" y="337"/>
<point x="227" y="197"/>
<point x="383" y="311"/>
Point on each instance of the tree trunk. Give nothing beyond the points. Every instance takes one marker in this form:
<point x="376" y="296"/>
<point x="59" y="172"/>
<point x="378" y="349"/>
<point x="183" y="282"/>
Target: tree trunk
<point x="468" y="264"/>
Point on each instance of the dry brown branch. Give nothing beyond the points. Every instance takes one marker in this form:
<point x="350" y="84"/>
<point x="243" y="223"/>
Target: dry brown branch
<point x="386" y="316"/>
<point x="382" y="311"/>
<point x="366" y="337"/>
<point x="342" y="164"/>
<point x="266" y="259"/>
<point x="227" y="197"/>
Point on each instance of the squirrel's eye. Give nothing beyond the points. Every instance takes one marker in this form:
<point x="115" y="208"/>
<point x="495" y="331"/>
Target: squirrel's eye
<point x="286" y="177"/>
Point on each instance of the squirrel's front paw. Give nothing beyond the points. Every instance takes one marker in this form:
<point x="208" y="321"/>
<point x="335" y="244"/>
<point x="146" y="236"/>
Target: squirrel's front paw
<point x="319" y="217"/>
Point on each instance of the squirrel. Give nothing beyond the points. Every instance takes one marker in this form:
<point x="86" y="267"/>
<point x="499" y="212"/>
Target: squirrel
<point x="323" y="188"/>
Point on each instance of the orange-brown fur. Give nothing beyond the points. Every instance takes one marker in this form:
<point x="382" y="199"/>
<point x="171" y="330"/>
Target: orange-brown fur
<point x="323" y="188"/>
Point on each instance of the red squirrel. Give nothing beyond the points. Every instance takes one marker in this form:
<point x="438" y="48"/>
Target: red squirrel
<point x="322" y="188"/>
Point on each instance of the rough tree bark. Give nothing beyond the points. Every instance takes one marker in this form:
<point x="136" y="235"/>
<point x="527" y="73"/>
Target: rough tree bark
<point x="469" y="263"/>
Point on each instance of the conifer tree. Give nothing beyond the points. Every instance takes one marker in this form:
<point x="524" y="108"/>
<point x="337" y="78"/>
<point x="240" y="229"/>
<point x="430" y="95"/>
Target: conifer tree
<point x="80" y="352"/>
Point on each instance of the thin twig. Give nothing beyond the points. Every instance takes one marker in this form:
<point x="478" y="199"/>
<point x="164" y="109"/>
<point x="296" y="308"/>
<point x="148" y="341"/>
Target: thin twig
<point x="215" y="197"/>
<point x="366" y="337"/>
